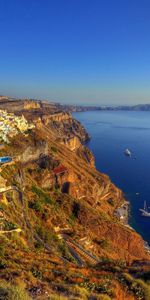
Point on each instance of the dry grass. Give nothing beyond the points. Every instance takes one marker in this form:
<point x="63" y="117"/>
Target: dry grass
<point x="11" y="292"/>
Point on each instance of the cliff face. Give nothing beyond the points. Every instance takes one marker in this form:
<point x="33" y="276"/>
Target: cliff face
<point x="72" y="143"/>
<point x="49" y="163"/>
<point x="31" y="105"/>
<point x="68" y="132"/>
<point x="13" y="105"/>
<point x="32" y="153"/>
<point x="48" y="114"/>
<point x="64" y="209"/>
<point x="56" y="117"/>
<point x="66" y="127"/>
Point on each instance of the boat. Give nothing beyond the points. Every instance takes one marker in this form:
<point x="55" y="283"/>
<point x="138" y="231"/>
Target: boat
<point x="144" y="211"/>
<point x="127" y="152"/>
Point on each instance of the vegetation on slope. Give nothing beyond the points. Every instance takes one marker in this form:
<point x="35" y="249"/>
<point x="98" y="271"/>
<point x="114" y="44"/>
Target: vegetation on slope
<point x="59" y="238"/>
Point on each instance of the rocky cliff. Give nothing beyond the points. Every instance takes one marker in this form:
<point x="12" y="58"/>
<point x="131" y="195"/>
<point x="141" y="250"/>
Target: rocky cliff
<point x="58" y="222"/>
<point x="66" y="127"/>
<point x="75" y="176"/>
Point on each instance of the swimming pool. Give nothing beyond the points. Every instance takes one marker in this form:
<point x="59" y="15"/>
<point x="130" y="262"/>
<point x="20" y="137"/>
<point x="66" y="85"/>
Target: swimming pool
<point x="5" y="159"/>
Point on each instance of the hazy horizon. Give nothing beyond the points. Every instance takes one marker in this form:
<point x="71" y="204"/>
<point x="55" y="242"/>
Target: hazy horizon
<point x="76" y="52"/>
<point x="73" y="103"/>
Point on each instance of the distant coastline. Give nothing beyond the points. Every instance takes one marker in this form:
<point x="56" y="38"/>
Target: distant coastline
<point x="4" y="100"/>
<point x="80" y="108"/>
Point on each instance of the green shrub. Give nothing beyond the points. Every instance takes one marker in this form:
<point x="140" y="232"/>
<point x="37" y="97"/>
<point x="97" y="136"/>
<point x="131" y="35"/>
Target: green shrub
<point x="75" y="209"/>
<point x="36" y="273"/>
<point x="145" y="288"/>
<point x="74" y="292"/>
<point x="46" y="235"/>
<point x="79" y="292"/>
<point x="43" y="196"/>
<point x="38" y="246"/>
<point x="138" y="287"/>
<point x="103" y="287"/>
<point x="72" y="219"/>
<point x="2" y="250"/>
<point x="106" y="260"/>
<point x="65" y="252"/>
<point x="2" y="265"/>
<point x="36" y="205"/>
<point x="2" y="206"/>
<point x="54" y="149"/>
<point x="10" y="292"/>
<point x="111" y="201"/>
<point x="9" y="226"/>
<point x="102" y="242"/>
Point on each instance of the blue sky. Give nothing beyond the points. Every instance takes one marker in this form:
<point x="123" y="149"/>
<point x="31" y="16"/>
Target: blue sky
<point x="76" y="51"/>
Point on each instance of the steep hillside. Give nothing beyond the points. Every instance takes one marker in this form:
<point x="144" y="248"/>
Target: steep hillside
<point x="59" y="233"/>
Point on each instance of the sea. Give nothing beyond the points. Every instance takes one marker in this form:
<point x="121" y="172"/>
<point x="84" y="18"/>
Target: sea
<point x="111" y="133"/>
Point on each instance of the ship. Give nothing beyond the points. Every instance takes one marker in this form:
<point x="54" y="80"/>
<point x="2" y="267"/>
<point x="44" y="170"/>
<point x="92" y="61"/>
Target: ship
<point x="144" y="211"/>
<point x="127" y="152"/>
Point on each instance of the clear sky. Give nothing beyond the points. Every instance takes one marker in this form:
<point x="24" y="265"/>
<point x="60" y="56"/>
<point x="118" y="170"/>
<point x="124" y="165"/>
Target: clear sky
<point x="76" y="51"/>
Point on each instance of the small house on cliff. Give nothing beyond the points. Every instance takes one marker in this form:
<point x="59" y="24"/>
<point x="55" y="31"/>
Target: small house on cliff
<point x="60" y="173"/>
<point x="60" y="170"/>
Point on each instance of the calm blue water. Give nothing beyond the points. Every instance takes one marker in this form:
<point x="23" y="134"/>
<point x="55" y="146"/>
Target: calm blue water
<point x="113" y="132"/>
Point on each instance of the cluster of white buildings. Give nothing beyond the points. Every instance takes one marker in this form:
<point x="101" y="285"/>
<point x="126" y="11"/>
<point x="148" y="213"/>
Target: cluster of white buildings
<point x="11" y="125"/>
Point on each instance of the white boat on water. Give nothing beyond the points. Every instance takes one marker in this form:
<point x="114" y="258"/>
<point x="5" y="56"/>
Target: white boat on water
<point x="127" y="152"/>
<point x="144" y="211"/>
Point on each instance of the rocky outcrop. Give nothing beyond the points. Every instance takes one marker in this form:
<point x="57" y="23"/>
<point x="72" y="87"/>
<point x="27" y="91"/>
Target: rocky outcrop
<point x="48" y="114"/>
<point x="56" y="117"/>
<point x="67" y="127"/>
<point x="72" y="143"/>
<point x="30" y="104"/>
<point x="32" y="153"/>
<point x="86" y="154"/>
